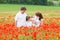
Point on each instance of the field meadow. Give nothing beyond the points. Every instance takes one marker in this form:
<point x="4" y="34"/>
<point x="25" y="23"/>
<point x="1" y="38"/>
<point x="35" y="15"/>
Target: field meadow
<point x="47" y="11"/>
<point x="50" y="30"/>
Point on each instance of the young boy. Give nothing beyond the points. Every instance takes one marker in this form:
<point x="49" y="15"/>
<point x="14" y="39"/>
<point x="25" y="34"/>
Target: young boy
<point x="20" y="17"/>
<point x="28" y="21"/>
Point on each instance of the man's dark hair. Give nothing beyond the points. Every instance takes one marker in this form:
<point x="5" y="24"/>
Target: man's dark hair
<point x="23" y="8"/>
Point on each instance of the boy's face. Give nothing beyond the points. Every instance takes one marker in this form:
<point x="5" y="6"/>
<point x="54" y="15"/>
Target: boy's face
<point x="23" y="11"/>
<point x="30" y="19"/>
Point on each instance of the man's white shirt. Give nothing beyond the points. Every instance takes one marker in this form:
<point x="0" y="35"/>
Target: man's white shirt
<point x="21" y="19"/>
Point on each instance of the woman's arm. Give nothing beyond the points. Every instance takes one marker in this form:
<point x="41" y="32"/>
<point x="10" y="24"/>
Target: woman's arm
<point x="42" y="21"/>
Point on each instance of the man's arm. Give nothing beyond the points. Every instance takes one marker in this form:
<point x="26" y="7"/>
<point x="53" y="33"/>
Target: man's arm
<point x="16" y="19"/>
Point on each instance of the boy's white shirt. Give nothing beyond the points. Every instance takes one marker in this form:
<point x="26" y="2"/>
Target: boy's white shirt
<point x="21" y="19"/>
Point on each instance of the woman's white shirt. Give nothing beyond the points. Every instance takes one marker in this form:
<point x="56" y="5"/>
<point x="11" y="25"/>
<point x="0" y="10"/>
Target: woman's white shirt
<point x="37" y="21"/>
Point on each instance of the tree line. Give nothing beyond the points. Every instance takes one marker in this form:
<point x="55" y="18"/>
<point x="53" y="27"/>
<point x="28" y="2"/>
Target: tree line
<point x="33" y="2"/>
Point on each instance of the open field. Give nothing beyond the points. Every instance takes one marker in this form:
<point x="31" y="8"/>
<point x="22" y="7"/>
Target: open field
<point x="12" y="9"/>
<point x="50" y="30"/>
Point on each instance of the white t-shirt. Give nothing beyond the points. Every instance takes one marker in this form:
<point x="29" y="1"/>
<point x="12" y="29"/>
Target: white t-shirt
<point x="28" y="23"/>
<point x="21" y="19"/>
<point x="37" y="21"/>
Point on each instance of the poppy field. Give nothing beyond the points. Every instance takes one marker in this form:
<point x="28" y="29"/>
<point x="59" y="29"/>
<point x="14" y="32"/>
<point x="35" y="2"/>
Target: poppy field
<point x="50" y="30"/>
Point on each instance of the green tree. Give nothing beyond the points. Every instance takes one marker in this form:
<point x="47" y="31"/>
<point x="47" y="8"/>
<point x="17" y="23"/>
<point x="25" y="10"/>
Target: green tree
<point x="34" y="2"/>
<point x="40" y="2"/>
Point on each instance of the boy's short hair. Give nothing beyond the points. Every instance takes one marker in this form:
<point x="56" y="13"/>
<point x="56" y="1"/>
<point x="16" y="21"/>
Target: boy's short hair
<point x="23" y="8"/>
<point x="27" y="18"/>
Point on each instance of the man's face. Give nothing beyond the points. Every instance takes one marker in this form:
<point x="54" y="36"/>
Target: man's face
<point x="23" y="11"/>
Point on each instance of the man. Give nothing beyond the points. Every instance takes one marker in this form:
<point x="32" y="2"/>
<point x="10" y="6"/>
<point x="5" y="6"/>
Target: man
<point x="20" y="18"/>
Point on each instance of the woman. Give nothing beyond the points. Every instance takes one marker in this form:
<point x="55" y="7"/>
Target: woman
<point x="37" y="19"/>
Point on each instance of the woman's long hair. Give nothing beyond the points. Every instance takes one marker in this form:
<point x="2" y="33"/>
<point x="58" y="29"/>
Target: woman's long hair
<point x="39" y="15"/>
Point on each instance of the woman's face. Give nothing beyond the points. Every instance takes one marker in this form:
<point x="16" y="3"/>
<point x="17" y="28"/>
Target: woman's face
<point x="37" y="17"/>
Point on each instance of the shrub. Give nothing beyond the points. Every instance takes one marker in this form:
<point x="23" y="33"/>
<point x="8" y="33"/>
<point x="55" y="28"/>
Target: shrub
<point x="50" y="3"/>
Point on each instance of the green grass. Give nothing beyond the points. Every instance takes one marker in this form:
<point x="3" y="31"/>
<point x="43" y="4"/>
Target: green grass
<point x="29" y="7"/>
<point x="12" y="9"/>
